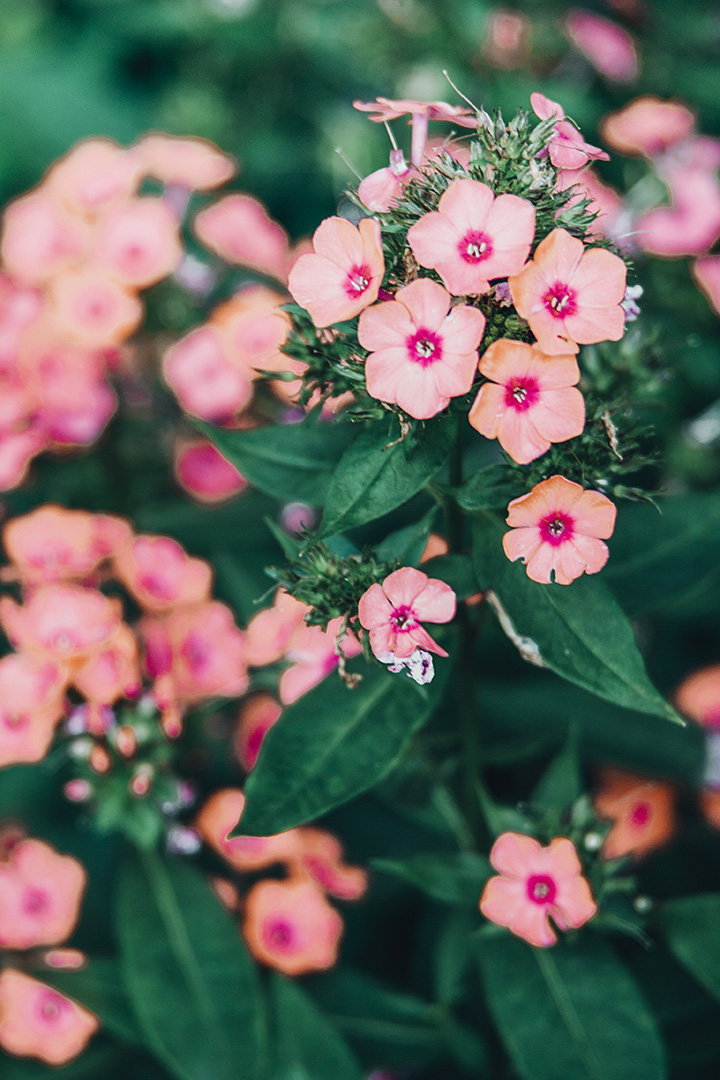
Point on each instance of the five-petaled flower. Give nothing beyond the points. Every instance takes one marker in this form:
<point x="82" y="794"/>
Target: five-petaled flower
<point x="474" y="237"/>
<point x="559" y="528"/>
<point x="536" y="884"/>
<point x="393" y="612"/>
<point x="422" y="354"/>
<point x="570" y="296"/>
<point x="531" y="400"/>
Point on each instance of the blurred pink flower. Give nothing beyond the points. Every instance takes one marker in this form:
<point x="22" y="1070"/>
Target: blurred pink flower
<point x="40" y="896"/>
<point x="160" y="574"/>
<point x="290" y="926"/>
<point x="239" y="230"/>
<point x="706" y="272"/>
<point x="394" y="611"/>
<point x="691" y="224"/>
<point x="204" y="473"/>
<point x="53" y="544"/>
<point x="604" y="201"/>
<point x="219" y="816"/>
<point x="190" y="163"/>
<point x="420" y="112"/>
<point x="61" y="623"/>
<point x="312" y="653"/>
<point x="257" y="715"/>
<point x="506" y="38"/>
<point x="91" y="309"/>
<point x="36" y="1021"/>
<point x="32" y="701"/>
<point x="200" y="371"/>
<point x="647" y="126"/>
<point x="381" y="190"/>
<point x="568" y="149"/>
<point x="138" y="243"/>
<point x="93" y="176"/>
<point x="609" y="48"/>
<point x="40" y="238"/>
<point x="319" y="858"/>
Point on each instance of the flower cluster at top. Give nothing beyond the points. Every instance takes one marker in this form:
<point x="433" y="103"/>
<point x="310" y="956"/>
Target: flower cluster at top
<point x="479" y="274"/>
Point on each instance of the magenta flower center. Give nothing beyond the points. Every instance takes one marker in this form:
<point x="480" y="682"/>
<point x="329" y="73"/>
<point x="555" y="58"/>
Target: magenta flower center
<point x="520" y="394"/>
<point x="541" y="889"/>
<point x="51" y="1006"/>
<point x="424" y="347"/>
<point x="279" y="934"/>
<point x="35" y="902"/>
<point x="560" y="300"/>
<point x="640" y="815"/>
<point x="15" y="720"/>
<point x="357" y="280"/>
<point x="556" y="528"/>
<point x="475" y="247"/>
<point x="403" y="619"/>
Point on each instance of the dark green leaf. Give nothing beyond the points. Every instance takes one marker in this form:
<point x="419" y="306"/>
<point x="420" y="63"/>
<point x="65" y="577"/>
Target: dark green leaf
<point x="407" y="544"/>
<point x="333" y="744"/>
<point x="374" y="477"/>
<point x="490" y="488"/>
<point x="193" y="987"/>
<point x="306" y="1046"/>
<point x="561" y="783"/>
<point x="456" y="571"/>
<point x="452" y="879"/>
<point x="691" y="927"/>
<point x="577" y="630"/>
<point x="570" y="1012"/>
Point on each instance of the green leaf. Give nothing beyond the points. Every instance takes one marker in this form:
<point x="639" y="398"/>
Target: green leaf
<point x="192" y="985"/>
<point x="452" y="879"/>
<point x="407" y="544"/>
<point x="690" y="925"/>
<point x="289" y="461"/>
<point x="100" y="987"/>
<point x="561" y="783"/>
<point x="578" y="630"/>
<point x="490" y="488"/>
<point x="569" y="1012"/>
<point x="375" y="475"/>
<point x="456" y="571"/>
<point x="306" y="1046"/>
<point x="331" y="745"/>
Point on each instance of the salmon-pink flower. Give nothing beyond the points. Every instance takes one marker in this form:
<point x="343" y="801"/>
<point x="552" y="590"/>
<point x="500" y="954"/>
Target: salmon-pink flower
<point x="381" y="190"/>
<point x="31" y="706"/>
<point x="17" y="449"/>
<point x="110" y="672"/>
<point x="319" y="858"/>
<point x="559" y="528"/>
<point x="567" y="149"/>
<point x="570" y="296"/>
<point x="647" y="126"/>
<point x="422" y="354"/>
<point x="536" y="884"/>
<point x="160" y="574"/>
<point x="271" y="630"/>
<point x="239" y="230"/>
<point x="193" y="163"/>
<point x="257" y="715"/>
<point x="255" y="328"/>
<point x="691" y="224"/>
<point x="200" y="371"/>
<point x="706" y="272"/>
<point x="393" y="612"/>
<point x="699" y="696"/>
<point x="138" y="243"/>
<point x="474" y="236"/>
<point x="92" y="309"/>
<point x="642" y="812"/>
<point x="612" y="220"/>
<point x="94" y="175"/>
<point x="54" y="544"/>
<point x="62" y="623"/>
<point x="36" y="1021"/>
<point x="218" y="818"/>
<point x="290" y="926"/>
<point x="40" y="896"/>
<point x="531" y="400"/>
<point x="343" y="274"/>
<point x="313" y="655"/>
<point x="204" y="473"/>
<point x="40" y="239"/>
<point x="609" y="48"/>
<point x="420" y="112"/>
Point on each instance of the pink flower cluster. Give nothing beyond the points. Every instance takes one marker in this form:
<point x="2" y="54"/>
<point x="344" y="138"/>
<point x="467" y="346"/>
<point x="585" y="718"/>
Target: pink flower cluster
<point x="288" y="924"/>
<point x="40" y="896"/>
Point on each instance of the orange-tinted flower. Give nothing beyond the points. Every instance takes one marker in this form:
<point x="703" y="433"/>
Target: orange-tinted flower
<point x="290" y="926"/>
<point x="642" y="812"/>
<point x="54" y="544"/>
<point x="531" y="400"/>
<point x="31" y="706"/>
<point x="319" y="857"/>
<point x="40" y="896"/>
<point x="343" y="274"/>
<point x="36" y="1021"/>
<point x="568" y="149"/>
<point x="536" y="884"/>
<point x="312" y="653"/>
<point x="257" y="715"/>
<point x="202" y="373"/>
<point x="93" y="176"/>
<point x="160" y="574"/>
<point x="61" y="623"/>
<point x="218" y="818"/>
<point x="270" y="631"/>
<point x="40" y="239"/>
<point x="112" y="671"/>
<point x="93" y="310"/>
<point x="558" y="528"/>
<point x="570" y="296"/>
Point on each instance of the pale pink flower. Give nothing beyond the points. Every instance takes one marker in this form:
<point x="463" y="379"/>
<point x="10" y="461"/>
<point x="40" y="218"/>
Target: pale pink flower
<point x="312" y="653"/>
<point x="219" y="816"/>
<point x="647" y="126"/>
<point x="381" y="190"/>
<point x="40" y="238"/>
<point x="95" y="175"/>
<point x="570" y="296"/>
<point x="239" y="230"/>
<point x="420" y="112"/>
<point x="190" y="163"/>
<point x="54" y="544"/>
<point x="706" y="272"/>
<point x="255" y="328"/>
<point x="257" y="715"/>
<point x="92" y="309"/>
<point x="531" y="400"/>
<point x="558" y="528"/>
<point x="40" y="896"/>
<point x="138" y="243"/>
<point x="17" y="449"/>
<point x="270" y="631"/>
<point x="568" y="149"/>
<point x="474" y="237"/>
<point x="422" y="354"/>
<point x="160" y="574"/>
<point x="534" y="885"/>
<point x="609" y="48"/>
<point x="31" y="706"/>
<point x="394" y="611"/>
<point x="691" y="224"/>
<point x="61" y="623"/>
<point x="200" y="371"/>
<point x="343" y="274"/>
<point x="36" y="1021"/>
<point x="506" y="38"/>
<point x="204" y="473"/>
<point x="110" y="672"/>
<point x="290" y="926"/>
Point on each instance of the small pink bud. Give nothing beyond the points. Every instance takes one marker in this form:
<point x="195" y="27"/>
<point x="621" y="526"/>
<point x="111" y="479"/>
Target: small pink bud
<point x="78" y="790"/>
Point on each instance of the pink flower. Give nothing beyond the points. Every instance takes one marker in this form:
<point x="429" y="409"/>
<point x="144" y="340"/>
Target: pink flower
<point x="93" y="310"/>
<point x="31" y="706"/>
<point x="96" y="174"/>
<point x="255" y="328"/>
<point x="706" y="272"/>
<point x="570" y="296"/>
<point x="559" y="528"/>
<point x="531" y="400"/>
<point x="36" y="1021"/>
<point x="110" y="672"/>
<point x="239" y="230"/>
<point x="506" y="38"/>
<point x="568" y="149"/>
<point x="422" y="354"/>
<point x="160" y="574"/>
<point x="204" y="473"/>
<point x="40" y="239"/>
<point x="312" y="655"/>
<point x="536" y="884"/>
<point x="54" y="544"/>
<point x="604" y="201"/>
<point x="190" y="163"/>
<point x="343" y="274"/>
<point x="698" y="696"/>
<point x="474" y="237"/>
<point x="290" y="926"/>
<point x="138" y="243"/>
<point x="647" y="126"/>
<point x="691" y="225"/>
<point x="381" y="190"/>
<point x="61" y="623"/>
<point x="609" y="48"/>
<point x="40" y="896"/>
<point x="270" y="631"/>
<point x="257" y="715"/>
<point x="319" y="858"/>
<point x="420" y="112"/>
<point x="200" y="371"/>
<point x="393" y="612"/>
<point x="218" y="818"/>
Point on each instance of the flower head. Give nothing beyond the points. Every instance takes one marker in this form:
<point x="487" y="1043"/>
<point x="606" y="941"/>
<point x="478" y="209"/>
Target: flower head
<point x="190" y="163"/>
<point x="138" y="243"/>
<point x="37" y="1021"/>
<point x="53" y="544"/>
<point x="641" y="812"/>
<point x="394" y="611"/>
<point x="160" y="574"/>
<point x="570" y="296"/>
<point x="474" y="236"/>
<point x="239" y="230"/>
<point x="647" y="126"/>
<point x="290" y="926"/>
<point x="609" y="48"/>
<point x="422" y="354"/>
<point x="531" y="400"/>
<point x="204" y="473"/>
<point x="558" y="528"/>
<point x="218" y="818"/>
<point x="31" y="706"/>
<point x="343" y="274"/>
<point x="568" y="149"/>
<point x="40" y="896"/>
<point x="536" y="884"/>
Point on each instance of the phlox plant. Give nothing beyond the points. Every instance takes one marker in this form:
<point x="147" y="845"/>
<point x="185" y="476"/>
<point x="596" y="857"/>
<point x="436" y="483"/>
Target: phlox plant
<point x="364" y="763"/>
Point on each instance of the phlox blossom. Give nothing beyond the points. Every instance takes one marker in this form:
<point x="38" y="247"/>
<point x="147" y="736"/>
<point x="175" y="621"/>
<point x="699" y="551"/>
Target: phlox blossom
<point x="531" y="400"/>
<point x="642" y="813"/>
<point x="36" y="1021"/>
<point x="40" y="896"/>
<point x="160" y="574"/>
<point x="319" y="858"/>
<point x="313" y="655"/>
<point x="40" y="238"/>
<point x="219" y="816"/>
<point x="343" y="274"/>
<point x="534" y="885"/>
<point x="558" y="528"/>
<point x="474" y="236"/>
<point x="62" y="623"/>
<point x="200" y="371"/>
<point x="31" y="706"/>
<point x="381" y="189"/>
<point x="699" y="696"/>
<point x="706" y="273"/>
<point x="195" y="164"/>
<point x="609" y="48"/>
<point x="239" y="230"/>
<point x="568" y="149"/>
<point x="420" y="112"/>
<point x="290" y="926"/>
<point x="394" y="611"/>
<point x="691" y="224"/>
<point x="647" y="126"/>
<point x="138" y="243"/>
<point x="202" y="471"/>
<point x="422" y="354"/>
<point x="570" y="296"/>
<point x="92" y="309"/>
<point x="54" y="544"/>
<point x="94" y="175"/>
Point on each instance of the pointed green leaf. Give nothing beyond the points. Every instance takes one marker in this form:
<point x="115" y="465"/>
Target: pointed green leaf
<point x="452" y="879"/>
<point x="306" y="1046"/>
<point x="691" y="926"/>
